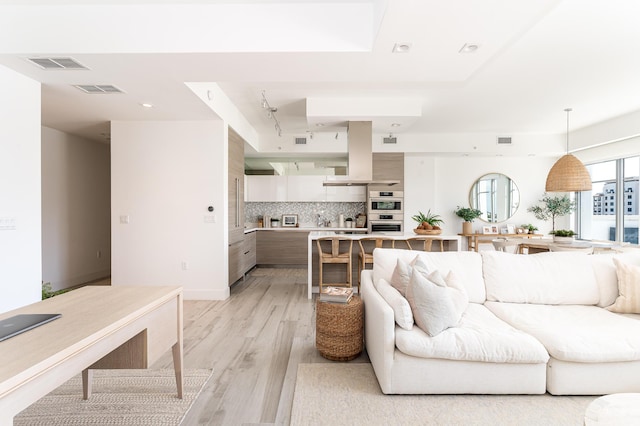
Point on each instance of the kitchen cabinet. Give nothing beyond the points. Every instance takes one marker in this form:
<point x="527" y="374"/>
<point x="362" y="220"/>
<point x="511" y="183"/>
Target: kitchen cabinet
<point x="235" y="262"/>
<point x="266" y="188"/>
<point x="236" y="205"/>
<point x="388" y="166"/>
<point x="248" y="252"/>
<point x="306" y="188"/>
<point x="347" y="193"/>
<point x="282" y="248"/>
<point x="300" y="189"/>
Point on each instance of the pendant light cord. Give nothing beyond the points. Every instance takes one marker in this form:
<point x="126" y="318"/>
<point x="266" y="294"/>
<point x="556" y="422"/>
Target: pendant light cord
<point x="568" y="110"/>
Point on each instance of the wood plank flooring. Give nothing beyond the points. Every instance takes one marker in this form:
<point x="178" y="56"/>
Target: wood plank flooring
<point x="254" y="341"/>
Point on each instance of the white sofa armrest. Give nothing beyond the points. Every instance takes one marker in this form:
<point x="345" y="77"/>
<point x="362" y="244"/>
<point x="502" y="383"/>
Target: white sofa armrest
<point x="379" y="328"/>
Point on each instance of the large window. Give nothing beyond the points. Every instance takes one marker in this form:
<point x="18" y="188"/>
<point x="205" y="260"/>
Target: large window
<point x="609" y="211"/>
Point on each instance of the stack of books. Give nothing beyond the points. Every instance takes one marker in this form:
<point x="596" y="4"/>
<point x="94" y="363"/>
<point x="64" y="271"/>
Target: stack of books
<point x="336" y="295"/>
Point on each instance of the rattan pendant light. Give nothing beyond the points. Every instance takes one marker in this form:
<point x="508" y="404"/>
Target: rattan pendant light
<point x="568" y="174"/>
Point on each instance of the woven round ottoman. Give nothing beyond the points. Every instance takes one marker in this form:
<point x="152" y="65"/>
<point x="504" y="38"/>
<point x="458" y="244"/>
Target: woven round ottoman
<point x="339" y="329"/>
<point x="615" y="409"/>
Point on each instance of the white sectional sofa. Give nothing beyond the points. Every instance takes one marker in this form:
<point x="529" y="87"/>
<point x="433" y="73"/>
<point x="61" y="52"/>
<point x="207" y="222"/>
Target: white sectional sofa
<point x="533" y="323"/>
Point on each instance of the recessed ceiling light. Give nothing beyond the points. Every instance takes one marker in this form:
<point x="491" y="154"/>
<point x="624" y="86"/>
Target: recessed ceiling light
<point x="401" y="47"/>
<point x="396" y="124"/>
<point x="147" y="105"/>
<point x="319" y="124"/>
<point x="469" y="48"/>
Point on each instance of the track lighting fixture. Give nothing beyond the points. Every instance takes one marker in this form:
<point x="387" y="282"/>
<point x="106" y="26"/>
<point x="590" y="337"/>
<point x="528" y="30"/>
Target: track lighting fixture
<point x="271" y="113"/>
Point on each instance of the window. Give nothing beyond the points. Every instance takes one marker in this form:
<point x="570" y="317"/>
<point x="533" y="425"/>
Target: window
<point x="609" y="178"/>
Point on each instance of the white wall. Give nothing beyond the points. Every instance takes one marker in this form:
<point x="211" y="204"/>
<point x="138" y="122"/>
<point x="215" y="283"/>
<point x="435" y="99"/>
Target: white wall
<point x="75" y="209"/>
<point x="20" y="248"/>
<point x="443" y="183"/>
<point x="164" y="175"/>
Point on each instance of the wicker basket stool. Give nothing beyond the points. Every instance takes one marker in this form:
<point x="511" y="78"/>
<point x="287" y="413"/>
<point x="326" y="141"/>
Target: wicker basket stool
<point x="339" y="329"/>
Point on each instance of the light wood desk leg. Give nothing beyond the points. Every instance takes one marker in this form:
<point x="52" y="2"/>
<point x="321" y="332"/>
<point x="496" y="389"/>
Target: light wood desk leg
<point x="87" y="379"/>
<point x="177" y="351"/>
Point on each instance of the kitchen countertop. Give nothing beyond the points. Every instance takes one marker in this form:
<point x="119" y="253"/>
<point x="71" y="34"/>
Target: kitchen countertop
<point x="306" y="229"/>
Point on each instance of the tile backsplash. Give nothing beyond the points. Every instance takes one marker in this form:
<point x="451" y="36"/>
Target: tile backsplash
<point x="307" y="212"/>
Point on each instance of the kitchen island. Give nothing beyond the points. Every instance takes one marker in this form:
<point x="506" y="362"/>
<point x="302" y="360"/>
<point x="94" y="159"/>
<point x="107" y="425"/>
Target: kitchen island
<point x="285" y="246"/>
<point x="450" y="243"/>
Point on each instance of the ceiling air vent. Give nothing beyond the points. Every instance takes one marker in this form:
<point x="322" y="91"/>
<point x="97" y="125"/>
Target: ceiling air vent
<point x="58" y="63"/>
<point x="390" y="139"/>
<point x="98" y="88"/>
<point x="301" y="141"/>
<point x="504" y="140"/>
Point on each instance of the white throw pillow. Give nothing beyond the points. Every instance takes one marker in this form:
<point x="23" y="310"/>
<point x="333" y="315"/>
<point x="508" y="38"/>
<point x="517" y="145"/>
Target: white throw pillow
<point x="400" y="305"/>
<point x="436" y="303"/>
<point x="402" y="273"/>
<point x="628" y="301"/>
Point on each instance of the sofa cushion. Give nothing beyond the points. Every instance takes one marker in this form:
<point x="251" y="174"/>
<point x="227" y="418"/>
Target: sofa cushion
<point x="575" y="333"/>
<point x="400" y="305"/>
<point x="606" y="275"/>
<point x="480" y="336"/>
<point x="436" y="303"/>
<point x="402" y="273"/>
<point x="466" y="264"/>
<point x="559" y="278"/>
<point x="628" y="302"/>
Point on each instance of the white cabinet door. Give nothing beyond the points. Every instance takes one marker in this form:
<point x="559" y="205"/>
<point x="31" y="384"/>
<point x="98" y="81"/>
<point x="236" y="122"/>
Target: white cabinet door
<point x="266" y="188"/>
<point x="305" y="188"/>
<point x="347" y="193"/>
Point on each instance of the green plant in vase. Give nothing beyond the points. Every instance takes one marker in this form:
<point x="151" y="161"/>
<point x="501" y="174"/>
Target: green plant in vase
<point x="468" y="215"/>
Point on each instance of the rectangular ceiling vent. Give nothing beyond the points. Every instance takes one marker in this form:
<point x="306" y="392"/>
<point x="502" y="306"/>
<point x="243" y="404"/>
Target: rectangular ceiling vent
<point x="301" y="141"/>
<point x="390" y="139"/>
<point x="98" y="88"/>
<point x="58" y="63"/>
<point x="504" y="140"/>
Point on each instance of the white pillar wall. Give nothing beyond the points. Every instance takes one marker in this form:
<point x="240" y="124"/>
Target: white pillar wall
<point x="20" y="211"/>
<point x="164" y="175"/>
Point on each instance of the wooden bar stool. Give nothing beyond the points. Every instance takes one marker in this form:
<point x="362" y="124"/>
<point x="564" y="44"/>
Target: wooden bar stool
<point x="427" y="242"/>
<point x="334" y="256"/>
<point x="366" y="258"/>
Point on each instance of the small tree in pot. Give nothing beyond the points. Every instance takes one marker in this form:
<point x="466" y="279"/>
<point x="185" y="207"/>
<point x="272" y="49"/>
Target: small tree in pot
<point x="467" y="214"/>
<point x="552" y="208"/>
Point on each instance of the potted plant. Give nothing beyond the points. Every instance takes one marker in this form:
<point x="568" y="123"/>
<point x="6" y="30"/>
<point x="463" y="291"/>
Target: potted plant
<point x="468" y="215"/>
<point x="531" y="229"/>
<point x="563" y="236"/>
<point x="552" y="208"/>
<point x="427" y="223"/>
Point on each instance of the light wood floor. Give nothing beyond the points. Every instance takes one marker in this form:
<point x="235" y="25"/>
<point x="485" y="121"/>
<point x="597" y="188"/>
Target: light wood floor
<point x="254" y="341"/>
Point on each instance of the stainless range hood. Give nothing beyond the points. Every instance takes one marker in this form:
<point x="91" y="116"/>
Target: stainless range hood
<point x="359" y="145"/>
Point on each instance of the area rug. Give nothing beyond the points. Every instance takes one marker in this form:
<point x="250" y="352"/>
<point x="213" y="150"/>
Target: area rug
<point x="349" y="394"/>
<point x="119" y="397"/>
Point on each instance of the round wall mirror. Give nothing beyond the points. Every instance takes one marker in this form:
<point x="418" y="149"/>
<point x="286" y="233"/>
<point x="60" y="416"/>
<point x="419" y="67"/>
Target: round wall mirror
<point x="496" y="196"/>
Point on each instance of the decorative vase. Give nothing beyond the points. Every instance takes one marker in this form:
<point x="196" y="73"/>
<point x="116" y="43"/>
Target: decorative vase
<point x="467" y="228"/>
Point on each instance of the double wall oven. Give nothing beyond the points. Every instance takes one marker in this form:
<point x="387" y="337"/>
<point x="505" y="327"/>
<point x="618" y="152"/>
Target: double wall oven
<point x="386" y="212"/>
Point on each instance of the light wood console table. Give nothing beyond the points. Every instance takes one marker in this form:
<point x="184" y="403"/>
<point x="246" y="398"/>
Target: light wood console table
<point x="474" y="239"/>
<point x="101" y="327"/>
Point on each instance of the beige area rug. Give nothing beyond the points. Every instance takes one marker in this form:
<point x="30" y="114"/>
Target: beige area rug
<point x="120" y="397"/>
<point x="349" y="394"/>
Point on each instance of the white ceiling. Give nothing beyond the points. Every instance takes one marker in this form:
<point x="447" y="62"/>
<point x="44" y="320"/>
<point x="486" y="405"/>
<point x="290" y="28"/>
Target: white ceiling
<point x="535" y="58"/>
